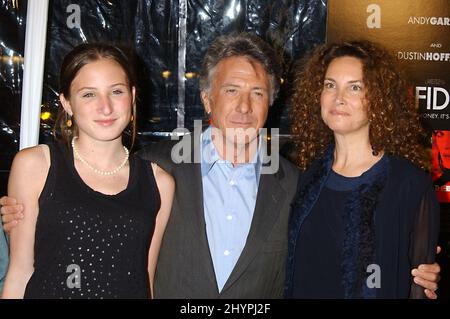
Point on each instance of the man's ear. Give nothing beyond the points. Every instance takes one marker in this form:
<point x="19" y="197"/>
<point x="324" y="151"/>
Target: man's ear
<point x="206" y="102"/>
<point x="65" y="104"/>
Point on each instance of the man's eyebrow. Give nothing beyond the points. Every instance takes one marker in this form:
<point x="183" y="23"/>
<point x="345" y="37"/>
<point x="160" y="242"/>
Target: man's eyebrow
<point x="238" y="86"/>
<point x="259" y="88"/>
<point x="230" y="84"/>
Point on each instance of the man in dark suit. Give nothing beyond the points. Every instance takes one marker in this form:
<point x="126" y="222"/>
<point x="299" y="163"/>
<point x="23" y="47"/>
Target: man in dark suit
<point x="227" y="233"/>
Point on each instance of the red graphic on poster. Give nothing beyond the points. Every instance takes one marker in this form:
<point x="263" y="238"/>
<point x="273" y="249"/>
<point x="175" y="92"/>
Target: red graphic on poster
<point x="441" y="164"/>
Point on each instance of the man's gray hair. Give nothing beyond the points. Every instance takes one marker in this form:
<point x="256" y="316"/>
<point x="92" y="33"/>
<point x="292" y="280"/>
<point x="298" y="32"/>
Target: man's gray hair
<point x="242" y="44"/>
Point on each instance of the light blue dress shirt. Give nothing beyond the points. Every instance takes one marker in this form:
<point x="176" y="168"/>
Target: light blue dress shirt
<point x="229" y="198"/>
<point x="4" y="253"/>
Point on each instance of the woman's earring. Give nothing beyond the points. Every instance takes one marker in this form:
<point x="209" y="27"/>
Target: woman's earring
<point x="132" y="118"/>
<point x="69" y="120"/>
<point x="374" y="153"/>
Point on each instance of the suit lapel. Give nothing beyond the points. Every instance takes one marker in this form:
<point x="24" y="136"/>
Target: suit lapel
<point x="270" y="197"/>
<point x="193" y="193"/>
<point x="190" y="174"/>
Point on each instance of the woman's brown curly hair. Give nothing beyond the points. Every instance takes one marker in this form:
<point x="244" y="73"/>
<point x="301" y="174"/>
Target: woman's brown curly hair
<point x="394" y="121"/>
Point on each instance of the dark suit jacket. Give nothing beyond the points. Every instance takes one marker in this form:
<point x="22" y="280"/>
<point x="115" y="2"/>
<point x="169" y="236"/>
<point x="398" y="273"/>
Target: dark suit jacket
<point x="185" y="268"/>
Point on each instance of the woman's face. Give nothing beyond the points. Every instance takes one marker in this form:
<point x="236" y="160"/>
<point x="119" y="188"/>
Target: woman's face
<point x="342" y="100"/>
<point x="100" y="100"/>
<point x="442" y="139"/>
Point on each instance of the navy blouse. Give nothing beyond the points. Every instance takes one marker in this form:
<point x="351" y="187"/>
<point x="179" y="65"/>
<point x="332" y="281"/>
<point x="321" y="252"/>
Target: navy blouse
<point x="340" y="227"/>
<point x="324" y="227"/>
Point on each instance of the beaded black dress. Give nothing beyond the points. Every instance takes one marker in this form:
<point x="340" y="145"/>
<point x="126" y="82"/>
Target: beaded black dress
<point x="88" y="244"/>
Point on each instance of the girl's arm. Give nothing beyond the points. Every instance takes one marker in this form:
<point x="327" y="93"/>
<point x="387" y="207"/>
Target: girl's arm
<point x="166" y="187"/>
<point x="26" y="181"/>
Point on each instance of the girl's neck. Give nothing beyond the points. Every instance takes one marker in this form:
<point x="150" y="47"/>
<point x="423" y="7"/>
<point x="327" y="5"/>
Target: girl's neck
<point x="103" y="155"/>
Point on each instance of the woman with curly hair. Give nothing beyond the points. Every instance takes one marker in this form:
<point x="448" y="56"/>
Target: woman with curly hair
<point x="365" y="212"/>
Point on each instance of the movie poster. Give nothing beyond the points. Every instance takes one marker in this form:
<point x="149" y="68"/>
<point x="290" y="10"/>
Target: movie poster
<point x="416" y="32"/>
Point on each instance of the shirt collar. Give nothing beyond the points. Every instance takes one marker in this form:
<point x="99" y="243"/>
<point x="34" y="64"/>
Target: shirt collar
<point x="210" y="156"/>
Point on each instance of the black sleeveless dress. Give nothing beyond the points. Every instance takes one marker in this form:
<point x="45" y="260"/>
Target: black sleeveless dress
<point x="88" y="244"/>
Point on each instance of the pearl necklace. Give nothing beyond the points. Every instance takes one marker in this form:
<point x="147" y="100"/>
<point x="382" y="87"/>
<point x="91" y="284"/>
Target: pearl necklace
<point x="82" y="160"/>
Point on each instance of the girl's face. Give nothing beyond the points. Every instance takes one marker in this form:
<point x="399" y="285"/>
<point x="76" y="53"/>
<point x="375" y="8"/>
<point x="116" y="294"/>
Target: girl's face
<point x="100" y="100"/>
<point x="343" y="105"/>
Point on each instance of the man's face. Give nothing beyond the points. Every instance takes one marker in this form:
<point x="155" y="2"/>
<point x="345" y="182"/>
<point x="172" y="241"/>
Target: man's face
<point x="238" y="98"/>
